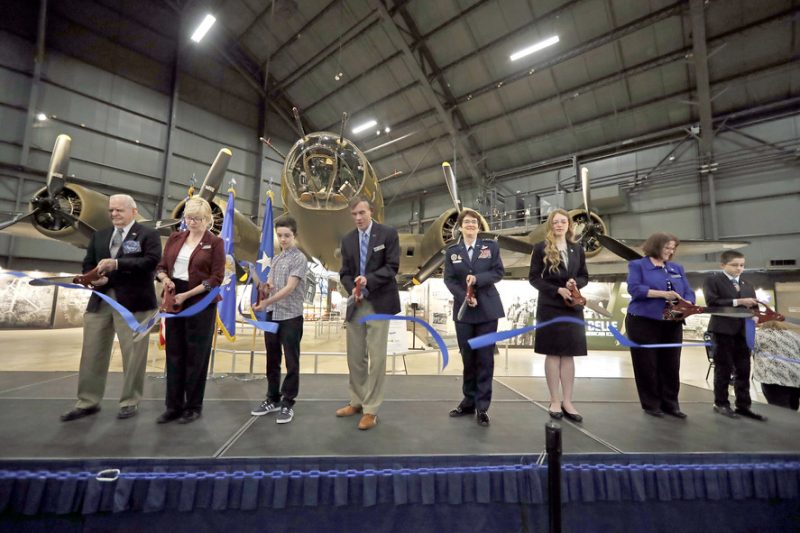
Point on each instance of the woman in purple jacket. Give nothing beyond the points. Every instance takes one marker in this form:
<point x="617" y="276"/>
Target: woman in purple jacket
<point x="652" y="282"/>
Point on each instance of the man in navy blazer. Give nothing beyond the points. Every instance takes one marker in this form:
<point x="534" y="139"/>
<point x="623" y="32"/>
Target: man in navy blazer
<point x="731" y="353"/>
<point x="126" y="256"/>
<point x="370" y="259"/>
<point x="475" y="262"/>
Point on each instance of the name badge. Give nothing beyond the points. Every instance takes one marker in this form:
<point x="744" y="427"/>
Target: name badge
<point x="131" y="247"/>
<point x="379" y="248"/>
<point x="205" y="247"/>
<point x="675" y="276"/>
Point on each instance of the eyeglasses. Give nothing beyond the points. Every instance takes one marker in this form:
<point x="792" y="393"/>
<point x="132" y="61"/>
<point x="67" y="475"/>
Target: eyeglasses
<point x="469" y="222"/>
<point x="194" y="219"/>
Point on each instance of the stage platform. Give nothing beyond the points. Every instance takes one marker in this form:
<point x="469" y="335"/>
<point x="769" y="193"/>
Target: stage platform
<point x="413" y="421"/>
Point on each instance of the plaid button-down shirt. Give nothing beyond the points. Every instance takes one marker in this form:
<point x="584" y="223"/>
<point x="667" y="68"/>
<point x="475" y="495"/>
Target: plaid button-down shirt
<point x="291" y="262"/>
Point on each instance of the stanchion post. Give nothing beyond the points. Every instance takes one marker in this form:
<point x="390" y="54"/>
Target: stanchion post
<point x="553" y="447"/>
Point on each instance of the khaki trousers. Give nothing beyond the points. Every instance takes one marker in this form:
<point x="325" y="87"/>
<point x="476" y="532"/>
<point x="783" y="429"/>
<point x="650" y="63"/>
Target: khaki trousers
<point x="366" y="359"/>
<point x="98" y="340"/>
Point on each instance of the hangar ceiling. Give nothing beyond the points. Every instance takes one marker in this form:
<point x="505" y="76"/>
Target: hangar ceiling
<point x="438" y="79"/>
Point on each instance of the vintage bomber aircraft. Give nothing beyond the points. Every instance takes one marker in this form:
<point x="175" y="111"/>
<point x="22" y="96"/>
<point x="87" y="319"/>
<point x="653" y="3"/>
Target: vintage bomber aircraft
<point x="322" y="172"/>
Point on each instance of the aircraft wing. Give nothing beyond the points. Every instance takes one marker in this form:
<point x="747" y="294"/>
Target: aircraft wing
<point x="689" y="247"/>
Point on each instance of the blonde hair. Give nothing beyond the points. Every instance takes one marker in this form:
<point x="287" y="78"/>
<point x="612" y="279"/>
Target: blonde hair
<point x="196" y="206"/>
<point x="552" y="256"/>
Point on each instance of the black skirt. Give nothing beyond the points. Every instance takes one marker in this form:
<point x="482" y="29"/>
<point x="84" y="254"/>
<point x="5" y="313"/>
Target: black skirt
<point x="561" y="338"/>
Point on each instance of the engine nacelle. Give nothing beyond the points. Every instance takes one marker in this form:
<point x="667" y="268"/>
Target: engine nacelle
<point x="89" y="206"/>
<point x="586" y="227"/>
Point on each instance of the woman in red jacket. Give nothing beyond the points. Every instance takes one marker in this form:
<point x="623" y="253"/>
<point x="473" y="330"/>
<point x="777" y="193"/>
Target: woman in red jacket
<point x="193" y="263"/>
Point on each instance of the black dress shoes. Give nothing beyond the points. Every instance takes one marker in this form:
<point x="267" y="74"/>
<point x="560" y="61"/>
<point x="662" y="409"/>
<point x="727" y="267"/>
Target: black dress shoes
<point x="126" y="411"/>
<point x="746" y="412"/>
<point x="168" y="416"/>
<point x="483" y="419"/>
<point x="462" y="411"/>
<point x="557" y="415"/>
<point x="725" y="410"/>
<point x="189" y="417"/>
<point x="575" y="417"/>
<point x="658" y="413"/>
<point x="677" y="413"/>
<point x="79" y="412"/>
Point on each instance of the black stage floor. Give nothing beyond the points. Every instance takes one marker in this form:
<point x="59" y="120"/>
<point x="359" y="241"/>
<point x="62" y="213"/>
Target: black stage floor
<point x="413" y="422"/>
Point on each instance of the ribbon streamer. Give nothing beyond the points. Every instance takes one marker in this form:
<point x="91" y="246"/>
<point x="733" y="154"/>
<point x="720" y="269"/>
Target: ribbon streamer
<point x="625" y="341"/>
<point x="140" y="329"/>
<point x="438" y="338"/>
<point x="493" y="338"/>
<point x="263" y="325"/>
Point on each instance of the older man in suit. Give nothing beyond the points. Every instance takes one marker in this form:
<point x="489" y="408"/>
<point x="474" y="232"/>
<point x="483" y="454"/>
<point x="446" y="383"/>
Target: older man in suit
<point x="126" y="256"/>
<point x="725" y="289"/>
<point x="370" y="260"/>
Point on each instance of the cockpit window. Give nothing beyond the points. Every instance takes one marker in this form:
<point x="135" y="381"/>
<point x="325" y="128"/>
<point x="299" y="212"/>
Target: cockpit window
<point x="324" y="174"/>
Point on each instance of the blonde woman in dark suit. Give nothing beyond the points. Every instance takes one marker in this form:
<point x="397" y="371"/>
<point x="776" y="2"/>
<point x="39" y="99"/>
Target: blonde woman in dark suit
<point x="557" y="264"/>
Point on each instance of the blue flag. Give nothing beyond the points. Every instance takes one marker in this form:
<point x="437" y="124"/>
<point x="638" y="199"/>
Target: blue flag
<point x="226" y="310"/>
<point x="266" y="251"/>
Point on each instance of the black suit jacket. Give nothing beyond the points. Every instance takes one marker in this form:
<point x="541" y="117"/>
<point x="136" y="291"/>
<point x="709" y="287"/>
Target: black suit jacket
<point x="720" y="292"/>
<point x="548" y="283"/>
<point x="383" y="262"/>
<point x="137" y="259"/>
<point x="487" y="268"/>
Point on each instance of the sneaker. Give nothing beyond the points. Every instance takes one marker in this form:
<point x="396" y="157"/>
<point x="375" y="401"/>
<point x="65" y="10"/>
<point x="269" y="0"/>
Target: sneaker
<point x="285" y="416"/>
<point x="264" y="408"/>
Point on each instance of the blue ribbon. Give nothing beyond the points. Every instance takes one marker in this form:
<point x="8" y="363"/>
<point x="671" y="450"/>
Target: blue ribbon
<point x="438" y="338"/>
<point x="750" y="333"/>
<point x="189" y="311"/>
<point x="263" y="325"/>
<point x="777" y="357"/>
<point x="493" y="338"/>
<point x="130" y="320"/>
<point x="625" y="341"/>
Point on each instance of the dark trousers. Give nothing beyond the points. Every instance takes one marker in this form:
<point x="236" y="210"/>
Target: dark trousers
<point x="782" y="395"/>
<point x="731" y="354"/>
<point x="478" y="365"/>
<point x="290" y="332"/>
<point x="188" y="350"/>
<point x="656" y="370"/>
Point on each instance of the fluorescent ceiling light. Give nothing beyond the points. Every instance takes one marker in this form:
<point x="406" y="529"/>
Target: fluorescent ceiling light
<point x="203" y="28"/>
<point x="365" y="126"/>
<point x="534" y="48"/>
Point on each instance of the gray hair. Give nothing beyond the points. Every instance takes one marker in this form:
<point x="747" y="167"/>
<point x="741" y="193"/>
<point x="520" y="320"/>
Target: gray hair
<point x="127" y="197"/>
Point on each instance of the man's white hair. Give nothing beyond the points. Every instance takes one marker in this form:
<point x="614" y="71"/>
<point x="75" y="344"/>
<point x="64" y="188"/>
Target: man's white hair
<point x="127" y="197"/>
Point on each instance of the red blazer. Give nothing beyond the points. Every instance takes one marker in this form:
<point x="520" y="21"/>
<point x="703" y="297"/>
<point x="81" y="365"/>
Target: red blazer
<point x="206" y="264"/>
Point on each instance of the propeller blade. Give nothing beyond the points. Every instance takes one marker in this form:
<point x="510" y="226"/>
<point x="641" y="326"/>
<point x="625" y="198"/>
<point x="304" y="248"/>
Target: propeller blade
<point x="19" y="218"/>
<point x="619" y="248"/>
<point x="59" y="163"/>
<point x="430" y="267"/>
<point x="508" y="243"/>
<point x="452" y="186"/>
<point x="215" y="174"/>
<point x="164" y="226"/>
<point x="587" y="194"/>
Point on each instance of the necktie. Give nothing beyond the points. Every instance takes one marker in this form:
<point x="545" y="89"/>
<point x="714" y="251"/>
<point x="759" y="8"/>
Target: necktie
<point x="363" y="254"/>
<point x="736" y="284"/>
<point x="116" y="242"/>
<point x="469" y="253"/>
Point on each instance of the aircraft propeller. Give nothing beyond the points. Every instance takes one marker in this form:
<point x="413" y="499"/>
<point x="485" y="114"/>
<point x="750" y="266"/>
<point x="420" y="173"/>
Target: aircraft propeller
<point x="55" y="209"/>
<point x="594" y="231"/>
